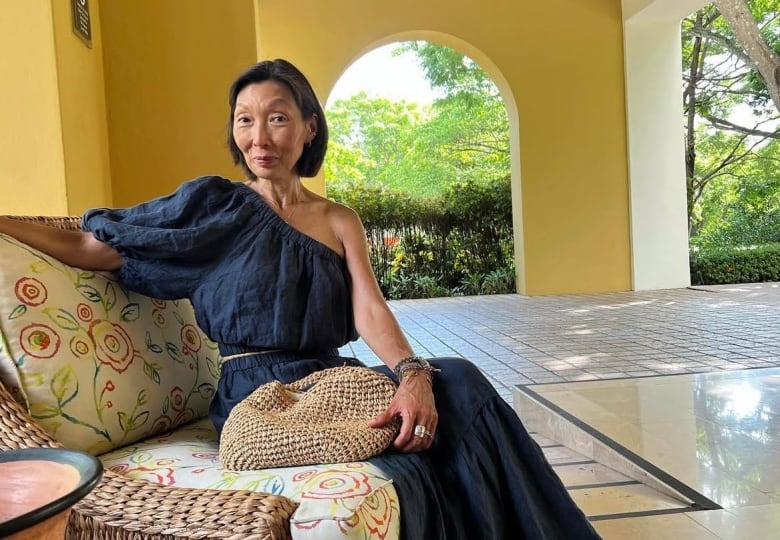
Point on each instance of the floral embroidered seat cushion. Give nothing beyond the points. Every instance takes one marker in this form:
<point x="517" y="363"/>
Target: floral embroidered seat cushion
<point x="346" y="500"/>
<point x="96" y="365"/>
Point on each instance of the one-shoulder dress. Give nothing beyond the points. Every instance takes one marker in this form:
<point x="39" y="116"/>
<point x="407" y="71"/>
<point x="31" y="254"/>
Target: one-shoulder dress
<point x="259" y="285"/>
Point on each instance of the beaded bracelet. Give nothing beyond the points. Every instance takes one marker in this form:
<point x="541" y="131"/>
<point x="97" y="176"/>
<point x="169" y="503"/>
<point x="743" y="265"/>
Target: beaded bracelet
<point x="413" y="372"/>
<point x="412" y="363"/>
<point x="409" y="360"/>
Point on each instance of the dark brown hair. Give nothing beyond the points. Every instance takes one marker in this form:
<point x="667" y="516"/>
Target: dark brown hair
<point x="284" y="72"/>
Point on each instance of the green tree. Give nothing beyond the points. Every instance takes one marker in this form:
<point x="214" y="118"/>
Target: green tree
<point x="432" y="183"/>
<point x="450" y="71"/>
<point x="724" y="152"/>
<point x="379" y="142"/>
<point x="761" y="57"/>
<point x="462" y="136"/>
<point x="742" y="208"/>
<point x="469" y="128"/>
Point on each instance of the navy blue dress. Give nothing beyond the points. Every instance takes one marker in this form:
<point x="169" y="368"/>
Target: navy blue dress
<point x="258" y="284"/>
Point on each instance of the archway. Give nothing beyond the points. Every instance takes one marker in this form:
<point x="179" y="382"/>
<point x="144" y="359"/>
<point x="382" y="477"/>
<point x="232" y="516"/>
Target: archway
<point x="512" y="115"/>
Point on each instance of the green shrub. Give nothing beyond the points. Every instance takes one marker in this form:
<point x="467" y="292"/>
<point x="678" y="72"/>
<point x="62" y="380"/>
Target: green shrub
<point x="716" y="266"/>
<point x="458" y="243"/>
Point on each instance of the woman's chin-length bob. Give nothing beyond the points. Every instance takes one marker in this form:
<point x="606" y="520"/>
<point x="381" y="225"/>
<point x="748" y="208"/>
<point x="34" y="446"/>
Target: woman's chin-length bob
<point x="284" y="72"/>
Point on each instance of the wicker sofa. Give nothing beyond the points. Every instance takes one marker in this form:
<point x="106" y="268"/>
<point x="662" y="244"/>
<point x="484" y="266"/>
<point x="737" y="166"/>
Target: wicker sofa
<point x="86" y="364"/>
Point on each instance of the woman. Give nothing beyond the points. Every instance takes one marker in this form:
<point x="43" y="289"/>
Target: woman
<point x="280" y="277"/>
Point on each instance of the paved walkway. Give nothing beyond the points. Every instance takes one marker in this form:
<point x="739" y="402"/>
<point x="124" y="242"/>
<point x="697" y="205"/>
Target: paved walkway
<point x="520" y="340"/>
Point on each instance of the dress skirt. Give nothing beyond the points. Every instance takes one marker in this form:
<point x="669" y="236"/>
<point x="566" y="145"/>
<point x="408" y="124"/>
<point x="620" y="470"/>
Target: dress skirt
<point x="484" y="477"/>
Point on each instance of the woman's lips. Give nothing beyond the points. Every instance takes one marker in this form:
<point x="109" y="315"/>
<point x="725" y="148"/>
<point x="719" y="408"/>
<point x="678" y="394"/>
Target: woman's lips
<point x="263" y="160"/>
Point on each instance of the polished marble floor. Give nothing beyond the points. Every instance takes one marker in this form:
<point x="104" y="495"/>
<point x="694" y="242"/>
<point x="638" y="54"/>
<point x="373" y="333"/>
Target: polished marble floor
<point x="714" y="437"/>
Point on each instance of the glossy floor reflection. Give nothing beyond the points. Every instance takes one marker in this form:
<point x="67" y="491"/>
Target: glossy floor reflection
<point x="716" y="433"/>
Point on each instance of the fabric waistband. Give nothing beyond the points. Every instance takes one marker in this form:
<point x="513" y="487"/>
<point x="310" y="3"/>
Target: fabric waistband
<point x="230" y="352"/>
<point x="252" y="353"/>
<point x="227" y="350"/>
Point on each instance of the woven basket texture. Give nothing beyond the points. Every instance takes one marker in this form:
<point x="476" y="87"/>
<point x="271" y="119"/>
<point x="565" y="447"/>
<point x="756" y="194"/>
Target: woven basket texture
<point x="321" y="418"/>
<point x="121" y="508"/>
<point x="69" y="223"/>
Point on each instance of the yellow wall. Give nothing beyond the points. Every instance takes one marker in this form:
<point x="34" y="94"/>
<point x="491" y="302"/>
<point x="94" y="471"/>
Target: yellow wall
<point x="82" y="111"/>
<point x="168" y="67"/>
<point x="32" y="179"/>
<point x="562" y="62"/>
<point x="166" y="72"/>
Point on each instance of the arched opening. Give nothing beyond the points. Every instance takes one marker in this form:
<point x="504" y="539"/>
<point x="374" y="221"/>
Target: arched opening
<point x="401" y="157"/>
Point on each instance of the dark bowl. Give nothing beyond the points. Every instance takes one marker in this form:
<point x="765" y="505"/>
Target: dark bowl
<point x="90" y="471"/>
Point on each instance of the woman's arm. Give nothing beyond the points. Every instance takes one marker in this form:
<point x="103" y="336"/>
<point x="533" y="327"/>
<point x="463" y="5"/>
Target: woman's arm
<point x="75" y="248"/>
<point x="379" y="328"/>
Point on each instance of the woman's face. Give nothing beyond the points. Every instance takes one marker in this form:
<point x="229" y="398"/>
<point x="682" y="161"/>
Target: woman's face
<point x="270" y="131"/>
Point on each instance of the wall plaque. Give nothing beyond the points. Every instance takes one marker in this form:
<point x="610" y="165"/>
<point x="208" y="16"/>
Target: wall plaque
<point x="82" y="25"/>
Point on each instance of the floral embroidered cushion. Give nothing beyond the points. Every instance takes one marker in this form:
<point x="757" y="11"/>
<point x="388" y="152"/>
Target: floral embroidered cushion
<point x="343" y="500"/>
<point x="96" y="365"/>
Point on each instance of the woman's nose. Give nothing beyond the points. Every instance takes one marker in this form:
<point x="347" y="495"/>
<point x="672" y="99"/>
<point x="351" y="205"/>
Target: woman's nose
<point x="260" y="134"/>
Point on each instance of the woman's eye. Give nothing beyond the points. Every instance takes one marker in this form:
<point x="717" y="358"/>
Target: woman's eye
<point x="242" y="119"/>
<point x="278" y="118"/>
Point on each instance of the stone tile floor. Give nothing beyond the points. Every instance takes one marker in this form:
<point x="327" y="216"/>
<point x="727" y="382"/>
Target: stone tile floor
<point x="517" y="339"/>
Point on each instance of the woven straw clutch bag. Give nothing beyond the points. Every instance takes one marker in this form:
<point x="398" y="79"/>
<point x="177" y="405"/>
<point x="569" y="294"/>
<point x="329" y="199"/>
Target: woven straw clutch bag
<point x="318" y="419"/>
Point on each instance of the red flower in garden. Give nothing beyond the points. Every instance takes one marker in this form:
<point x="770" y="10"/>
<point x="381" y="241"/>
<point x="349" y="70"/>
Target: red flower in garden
<point x="30" y="291"/>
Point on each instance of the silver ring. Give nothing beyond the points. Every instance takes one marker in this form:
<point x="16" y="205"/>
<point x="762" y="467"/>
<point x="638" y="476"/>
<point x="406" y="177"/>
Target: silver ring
<point x="421" y="431"/>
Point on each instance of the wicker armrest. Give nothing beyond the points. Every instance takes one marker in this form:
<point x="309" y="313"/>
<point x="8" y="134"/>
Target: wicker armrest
<point x="17" y="429"/>
<point x="121" y="507"/>
<point x="69" y="223"/>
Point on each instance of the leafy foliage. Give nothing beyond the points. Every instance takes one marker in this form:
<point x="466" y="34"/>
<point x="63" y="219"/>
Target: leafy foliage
<point x="732" y="138"/>
<point x="457" y="243"/>
<point x="735" y="265"/>
<point x="462" y="136"/>
<point x="741" y="207"/>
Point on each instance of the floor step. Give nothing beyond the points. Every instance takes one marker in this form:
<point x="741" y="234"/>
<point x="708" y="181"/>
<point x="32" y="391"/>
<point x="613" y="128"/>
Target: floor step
<point x="602" y="492"/>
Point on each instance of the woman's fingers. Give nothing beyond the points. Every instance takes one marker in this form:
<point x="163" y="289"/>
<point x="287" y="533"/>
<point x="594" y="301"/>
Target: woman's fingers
<point x="414" y="404"/>
<point x="415" y="435"/>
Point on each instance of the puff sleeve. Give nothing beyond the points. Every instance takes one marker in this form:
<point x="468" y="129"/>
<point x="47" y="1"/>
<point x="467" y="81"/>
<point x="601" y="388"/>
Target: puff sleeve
<point x="166" y="244"/>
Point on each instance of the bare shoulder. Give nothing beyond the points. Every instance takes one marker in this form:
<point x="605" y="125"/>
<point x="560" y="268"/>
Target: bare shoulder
<point x="331" y="223"/>
<point x="337" y="214"/>
<point x="342" y="211"/>
<point x="343" y="219"/>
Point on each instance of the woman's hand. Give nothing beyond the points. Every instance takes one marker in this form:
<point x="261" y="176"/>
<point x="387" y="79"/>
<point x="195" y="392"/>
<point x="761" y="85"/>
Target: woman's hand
<point x="414" y="404"/>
